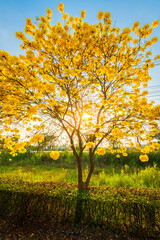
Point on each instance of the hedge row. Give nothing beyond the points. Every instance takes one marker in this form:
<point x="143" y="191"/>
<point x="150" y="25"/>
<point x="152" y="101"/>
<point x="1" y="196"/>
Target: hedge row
<point x="136" y="211"/>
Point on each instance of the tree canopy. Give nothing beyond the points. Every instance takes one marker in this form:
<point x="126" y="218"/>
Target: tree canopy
<point x="85" y="79"/>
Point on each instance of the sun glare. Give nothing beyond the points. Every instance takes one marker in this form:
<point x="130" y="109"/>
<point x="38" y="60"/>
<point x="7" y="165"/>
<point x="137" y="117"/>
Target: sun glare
<point x="86" y="116"/>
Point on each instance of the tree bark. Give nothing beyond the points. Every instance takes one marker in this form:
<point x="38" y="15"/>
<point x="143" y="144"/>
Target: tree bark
<point x="91" y="168"/>
<point x="82" y="187"/>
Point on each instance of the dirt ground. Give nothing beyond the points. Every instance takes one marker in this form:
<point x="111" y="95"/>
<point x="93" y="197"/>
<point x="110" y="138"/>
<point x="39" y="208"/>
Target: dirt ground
<point x="25" y="230"/>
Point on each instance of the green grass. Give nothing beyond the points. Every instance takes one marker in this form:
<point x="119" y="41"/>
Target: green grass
<point x="109" y="171"/>
<point x="125" y="176"/>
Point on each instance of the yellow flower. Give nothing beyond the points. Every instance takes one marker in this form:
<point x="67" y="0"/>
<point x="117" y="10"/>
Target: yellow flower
<point x="125" y="154"/>
<point x="149" y="53"/>
<point x="100" y="15"/>
<point x="29" y="22"/>
<point x="143" y="102"/>
<point x="144" y="158"/>
<point x="65" y="16"/>
<point x="118" y="156"/>
<point x="151" y="148"/>
<point x="155" y="24"/>
<point x="76" y="19"/>
<point x="154" y="39"/>
<point x="126" y="31"/>
<point x="89" y="144"/>
<point x="60" y="7"/>
<point x="54" y="155"/>
<point x="98" y="134"/>
<point x="7" y="121"/>
<point x="49" y="12"/>
<point x="144" y="93"/>
<point x="152" y="65"/>
<point x="101" y="151"/>
<point x="7" y="108"/>
<point x="38" y="95"/>
<point x="19" y="146"/>
<point x="97" y="126"/>
<point x="83" y="14"/>
<point x="107" y="15"/>
<point x="32" y="110"/>
<point x="66" y="28"/>
<point x="136" y="25"/>
<point x="145" y="85"/>
<point x="71" y="19"/>
<point x="7" y="129"/>
<point x="37" y="138"/>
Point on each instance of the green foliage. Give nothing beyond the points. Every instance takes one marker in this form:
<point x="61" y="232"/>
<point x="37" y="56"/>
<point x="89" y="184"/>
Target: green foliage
<point x="135" y="210"/>
<point x="150" y="177"/>
<point x="132" y="160"/>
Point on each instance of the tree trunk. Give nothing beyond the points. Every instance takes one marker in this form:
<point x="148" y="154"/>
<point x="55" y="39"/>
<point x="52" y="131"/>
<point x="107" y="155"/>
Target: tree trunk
<point x="82" y="188"/>
<point x="81" y="184"/>
<point x="91" y="169"/>
<point x="80" y="177"/>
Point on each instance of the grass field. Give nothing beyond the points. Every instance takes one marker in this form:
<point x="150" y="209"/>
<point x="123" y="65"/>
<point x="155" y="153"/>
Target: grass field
<point x="109" y="171"/>
<point x="123" y="176"/>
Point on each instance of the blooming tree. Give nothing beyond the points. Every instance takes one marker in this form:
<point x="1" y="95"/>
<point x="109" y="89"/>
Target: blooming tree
<point x="84" y="78"/>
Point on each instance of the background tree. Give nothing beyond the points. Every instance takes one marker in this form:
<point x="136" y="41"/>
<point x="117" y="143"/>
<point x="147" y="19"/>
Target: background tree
<point x="86" y="78"/>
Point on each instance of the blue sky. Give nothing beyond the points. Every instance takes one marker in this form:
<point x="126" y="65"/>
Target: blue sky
<point x="13" y="14"/>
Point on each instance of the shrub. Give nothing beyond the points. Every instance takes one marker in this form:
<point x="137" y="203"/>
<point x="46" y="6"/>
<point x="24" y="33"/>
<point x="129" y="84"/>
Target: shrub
<point x="136" y="210"/>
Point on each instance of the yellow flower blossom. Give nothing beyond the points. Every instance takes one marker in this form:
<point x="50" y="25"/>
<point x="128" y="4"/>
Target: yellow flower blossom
<point x="83" y="14"/>
<point x="7" y="108"/>
<point x="38" y="95"/>
<point x="65" y="16"/>
<point x="144" y="93"/>
<point x="155" y="23"/>
<point x="49" y="12"/>
<point x="76" y="19"/>
<point x="107" y="15"/>
<point x="125" y="154"/>
<point x="60" y="7"/>
<point x="136" y="25"/>
<point x="89" y="144"/>
<point x="32" y="110"/>
<point x="66" y="28"/>
<point x="144" y="158"/>
<point x="154" y="40"/>
<point x="28" y="21"/>
<point x="100" y="15"/>
<point x="37" y="138"/>
<point x="98" y="134"/>
<point x="101" y="151"/>
<point x="54" y="155"/>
